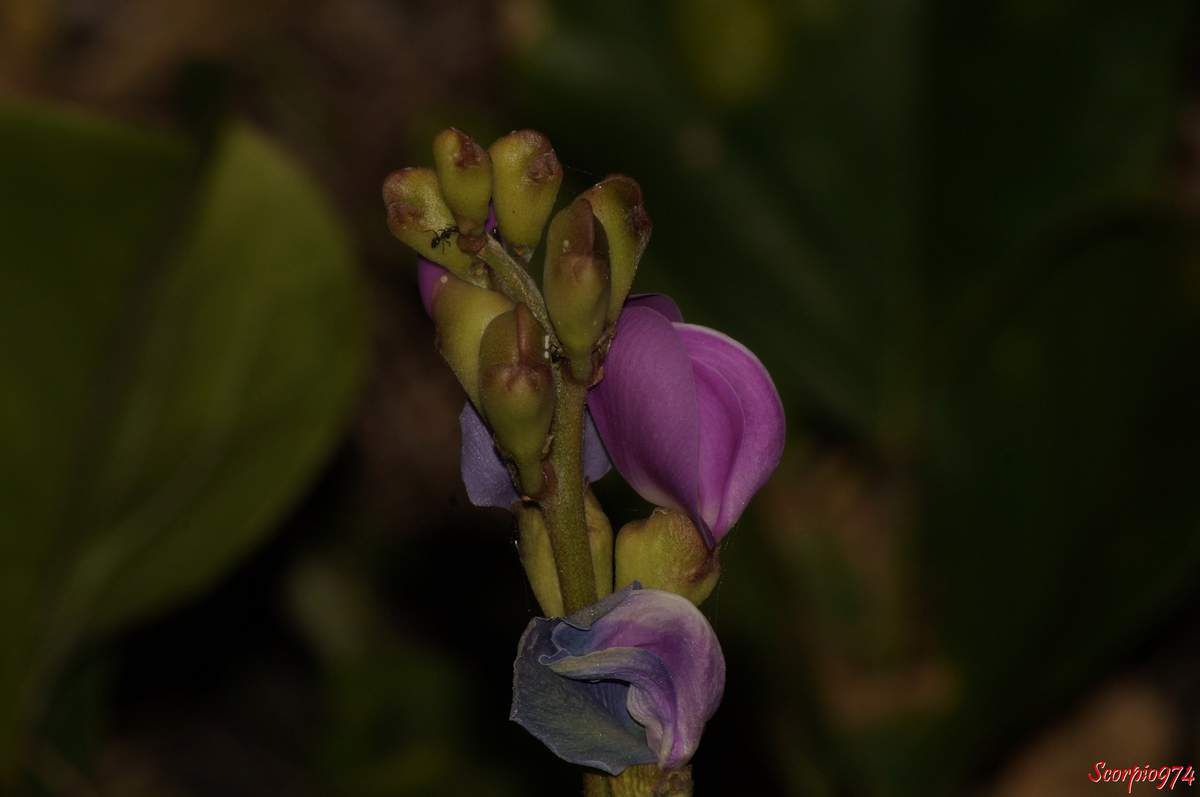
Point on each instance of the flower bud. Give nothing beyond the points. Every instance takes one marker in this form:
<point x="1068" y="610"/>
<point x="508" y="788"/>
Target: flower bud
<point x="464" y="172"/>
<point x="516" y="390"/>
<point x="462" y="312"/>
<point x="419" y="216"/>
<point x="617" y="202"/>
<point x="665" y="551"/>
<point x="537" y="555"/>
<point x="576" y="283"/>
<point x="526" y="175"/>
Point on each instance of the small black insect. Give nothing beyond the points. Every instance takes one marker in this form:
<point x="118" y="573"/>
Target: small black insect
<point x="442" y="237"/>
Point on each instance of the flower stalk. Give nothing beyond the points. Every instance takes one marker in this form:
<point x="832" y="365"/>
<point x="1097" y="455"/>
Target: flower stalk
<point x="514" y="281"/>
<point x="563" y="504"/>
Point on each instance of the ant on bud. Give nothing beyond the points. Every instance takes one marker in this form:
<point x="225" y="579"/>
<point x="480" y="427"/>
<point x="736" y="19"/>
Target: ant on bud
<point x="442" y="237"/>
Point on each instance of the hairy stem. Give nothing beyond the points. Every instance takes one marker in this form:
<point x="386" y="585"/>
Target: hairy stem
<point x="647" y="780"/>
<point x="596" y="785"/>
<point x="563" y="504"/>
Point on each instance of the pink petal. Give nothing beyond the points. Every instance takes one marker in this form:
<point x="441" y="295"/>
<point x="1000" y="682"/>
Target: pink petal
<point x="646" y="411"/>
<point x="659" y="302"/>
<point x="721" y="426"/>
<point x="430" y="279"/>
<point x="763" y="427"/>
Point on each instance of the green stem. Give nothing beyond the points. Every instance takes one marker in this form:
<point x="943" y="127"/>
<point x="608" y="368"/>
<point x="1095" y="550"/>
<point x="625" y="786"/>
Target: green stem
<point x="514" y="281"/>
<point x="647" y="780"/>
<point x="596" y="785"/>
<point x="563" y="507"/>
<point x="563" y="503"/>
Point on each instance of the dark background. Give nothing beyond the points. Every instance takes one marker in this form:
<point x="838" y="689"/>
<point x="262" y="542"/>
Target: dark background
<point x="235" y="554"/>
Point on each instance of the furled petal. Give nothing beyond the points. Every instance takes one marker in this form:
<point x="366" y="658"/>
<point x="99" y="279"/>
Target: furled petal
<point x="595" y="459"/>
<point x="487" y="479"/>
<point x="727" y="371"/>
<point x="646" y="411"/>
<point x="430" y="278"/>
<point x="642" y="655"/>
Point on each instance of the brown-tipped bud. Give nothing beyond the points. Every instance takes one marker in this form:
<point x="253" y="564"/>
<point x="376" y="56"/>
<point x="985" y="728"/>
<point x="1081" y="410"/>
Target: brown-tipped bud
<point x="617" y="202"/>
<point x="516" y="389"/>
<point x="418" y="216"/>
<point x="576" y="283"/>
<point x="526" y="175"/>
<point x="665" y="551"/>
<point x="462" y="312"/>
<point x="537" y="554"/>
<point x="464" y="170"/>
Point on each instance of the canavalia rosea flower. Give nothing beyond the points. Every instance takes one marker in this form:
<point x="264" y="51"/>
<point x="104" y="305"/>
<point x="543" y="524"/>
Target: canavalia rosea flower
<point x="629" y="680"/>
<point x="689" y="416"/>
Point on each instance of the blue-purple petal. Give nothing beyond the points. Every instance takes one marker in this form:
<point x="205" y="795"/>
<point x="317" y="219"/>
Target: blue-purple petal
<point x="484" y="474"/>
<point x="580" y="722"/>
<point x="486" y="478"/>
<point x="660" y="652"/>
<point x="595" y="459"/>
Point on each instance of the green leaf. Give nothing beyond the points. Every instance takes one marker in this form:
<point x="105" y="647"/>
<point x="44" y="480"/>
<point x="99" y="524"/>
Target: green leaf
<point x="185" y="347"/>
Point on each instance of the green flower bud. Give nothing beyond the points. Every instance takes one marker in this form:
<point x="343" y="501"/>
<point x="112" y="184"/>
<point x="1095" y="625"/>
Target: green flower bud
<point x="516" y="389"/>
<point x="665" y="551"/>
<point x="419" y="216"/>
<point x="537" y="555"/>
<point x="576" y="283"/>
<point x="526" y="175"/>
<point x="462" y="312"/>
<point x="617" y="202"/>
<point x="464" y="172"/>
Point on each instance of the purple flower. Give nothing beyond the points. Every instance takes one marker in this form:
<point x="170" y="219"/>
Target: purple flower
<point x="629" y="680"/>
<point x="689" y="416"/>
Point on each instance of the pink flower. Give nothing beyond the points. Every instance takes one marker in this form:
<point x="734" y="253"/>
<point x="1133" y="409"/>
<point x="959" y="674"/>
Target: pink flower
<point x="689" y="416"/>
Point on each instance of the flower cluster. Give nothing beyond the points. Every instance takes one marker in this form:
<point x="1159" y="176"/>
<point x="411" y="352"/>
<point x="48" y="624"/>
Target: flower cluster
<point x="564" y="379"/>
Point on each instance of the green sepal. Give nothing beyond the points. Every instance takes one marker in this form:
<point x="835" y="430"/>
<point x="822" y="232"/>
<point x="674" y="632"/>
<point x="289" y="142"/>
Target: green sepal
<point x="418" y="215"/>
<point x="617" y="202"/>
<point x="464" y="171"/>
<point x="462" y="312"/>
<point x="526" y="175"/>
<point x="665" y="551"/>
<point x="516" y="390"/>
<point x="576" y="283"/>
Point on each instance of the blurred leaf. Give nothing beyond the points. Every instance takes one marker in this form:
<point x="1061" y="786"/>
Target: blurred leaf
<point x="1060" y="511"/>
<point x="183" y="353"/>
<point x="936" y="223"/>
<point x="872" y="191"/>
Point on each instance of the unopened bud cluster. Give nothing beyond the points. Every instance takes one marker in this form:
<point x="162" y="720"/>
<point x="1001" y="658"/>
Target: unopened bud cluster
<point x="478" y="205"/>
